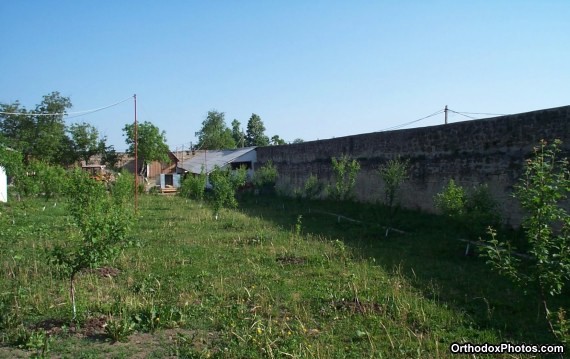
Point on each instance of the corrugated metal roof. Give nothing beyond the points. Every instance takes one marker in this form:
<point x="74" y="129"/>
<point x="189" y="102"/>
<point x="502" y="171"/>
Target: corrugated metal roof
<point x="209" y="159"/>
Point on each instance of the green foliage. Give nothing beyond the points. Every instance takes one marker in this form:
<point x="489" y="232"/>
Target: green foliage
<point x="10" y="159"/>
<point x="123" y="188"/>
<point x="265" y="177"/>
<point x="237" y="134"/>
<point x="119" y="329"/>
<point x="193" y="186"/>
<point x="151" y="142"/>
<point x="33" y="133"/>
<point x="109" y="155"/>
<point x="215" y="135"/>
<point x="255" y="135"/>
<point x="451" y="201"/>
<point x="345" y="172"/>
<point x="224" y="186"/>
<point x="84" y="140"/>
<point x="474" y="210"/>
<point x="102" y="221"/>
<point x="393" y="173"/>
<point x="276" y="141"/>
<point x="313" y="188"/>
<point x="541" y="191"/>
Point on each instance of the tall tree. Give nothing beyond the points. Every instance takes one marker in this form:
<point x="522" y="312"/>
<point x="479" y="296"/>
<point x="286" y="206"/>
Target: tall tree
<point x="85" y="138"/>
<point x="39" y="133"/>
<point x="151" y="142"/>
<point x="255" y="135"/>
<point x="237" y="134"/>
<point x="276" y="140"/>
<point x="215" y="134"/>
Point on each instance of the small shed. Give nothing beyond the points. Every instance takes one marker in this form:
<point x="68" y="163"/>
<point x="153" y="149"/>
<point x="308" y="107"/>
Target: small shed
<point x="3" y="185"/>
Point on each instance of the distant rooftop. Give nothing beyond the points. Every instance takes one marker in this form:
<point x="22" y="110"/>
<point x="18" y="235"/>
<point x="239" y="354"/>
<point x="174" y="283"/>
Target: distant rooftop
<point x="207" y="160"/>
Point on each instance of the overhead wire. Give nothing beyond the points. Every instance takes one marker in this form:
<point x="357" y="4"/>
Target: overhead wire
<point x="412" y="122"/>
<point x="68" y="115"/>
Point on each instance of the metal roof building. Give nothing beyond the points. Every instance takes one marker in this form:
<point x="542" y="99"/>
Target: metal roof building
<point x="207" y="160"/>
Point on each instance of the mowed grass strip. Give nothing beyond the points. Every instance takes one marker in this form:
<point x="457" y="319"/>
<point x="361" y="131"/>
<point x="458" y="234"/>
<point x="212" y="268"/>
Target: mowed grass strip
<point x="272" y="279"/>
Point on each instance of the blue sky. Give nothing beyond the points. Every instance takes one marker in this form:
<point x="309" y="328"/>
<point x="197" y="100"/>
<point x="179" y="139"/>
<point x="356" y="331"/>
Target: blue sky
<point x="310" y="69"/>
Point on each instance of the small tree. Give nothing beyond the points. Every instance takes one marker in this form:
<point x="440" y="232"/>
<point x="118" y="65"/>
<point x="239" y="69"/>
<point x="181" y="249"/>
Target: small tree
<point x="224" y="186"/>
<point x="102" y="221"/>
<point x="345" y="171"/>
<point x="393" y="174"/>
<point x="541" y="191"/>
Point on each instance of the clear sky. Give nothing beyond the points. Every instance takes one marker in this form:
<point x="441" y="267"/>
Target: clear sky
<point x="310" y="69"/>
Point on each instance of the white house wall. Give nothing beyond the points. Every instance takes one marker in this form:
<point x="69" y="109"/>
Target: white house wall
<point x="3" y="185"/>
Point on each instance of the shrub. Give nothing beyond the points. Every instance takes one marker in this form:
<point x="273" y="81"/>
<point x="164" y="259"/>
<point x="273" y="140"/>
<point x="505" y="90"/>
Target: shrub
<point x="474" y="210"/>
<point x="345" y="172"/>
<point x="265" y="177"/>
<point x="313" y="188"/>
<point x="193" y="186"/>
<point x="224" y="186"/>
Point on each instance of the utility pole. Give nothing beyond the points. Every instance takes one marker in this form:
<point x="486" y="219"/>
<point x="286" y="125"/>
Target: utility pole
<point x="136" y="158"/>
<point x="445" y="114"/>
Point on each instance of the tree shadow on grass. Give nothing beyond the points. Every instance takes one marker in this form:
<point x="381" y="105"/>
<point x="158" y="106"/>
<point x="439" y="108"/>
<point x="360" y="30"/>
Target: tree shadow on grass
<point x="428" y="254"/>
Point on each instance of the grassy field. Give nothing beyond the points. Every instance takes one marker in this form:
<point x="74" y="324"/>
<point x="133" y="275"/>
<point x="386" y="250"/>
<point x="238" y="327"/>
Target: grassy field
<point x="278" y="278"/>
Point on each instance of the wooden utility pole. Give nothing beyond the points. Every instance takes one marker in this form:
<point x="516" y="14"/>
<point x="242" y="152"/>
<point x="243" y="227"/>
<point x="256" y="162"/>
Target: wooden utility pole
<point x="136" y="158"/>
<point x="445" y="114"/>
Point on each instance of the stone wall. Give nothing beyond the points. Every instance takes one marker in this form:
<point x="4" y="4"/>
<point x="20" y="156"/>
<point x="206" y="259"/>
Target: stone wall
<point x="490" y="151"/>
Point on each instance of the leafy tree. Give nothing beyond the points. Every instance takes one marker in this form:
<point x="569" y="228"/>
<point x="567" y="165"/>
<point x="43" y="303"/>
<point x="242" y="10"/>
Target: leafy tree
<point x="85" y="140"/>
<point x="102" y="221"/>
<point x="276" y="140"/>
<point x="237" y="134"/>
<point x="151" y="142"/>
<point x="345" y="172"/>
<point x="542" y="192"/>
<point x="393" y="174"/>
<point x="215" y="135"/>
<point x="109" y="156"/>
<point x="40" y="133"/>
<point x="224" y="186"/>
<point x="298" y="140"/>
<point x="255" y="135"/>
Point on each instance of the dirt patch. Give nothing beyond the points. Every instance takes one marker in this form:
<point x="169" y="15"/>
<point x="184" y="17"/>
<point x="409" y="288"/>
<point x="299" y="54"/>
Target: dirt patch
<point x="104" y="272"/>
<point x="291" y="260"/>
<point x="93" y="327"/>
<point x="357" y="306"/>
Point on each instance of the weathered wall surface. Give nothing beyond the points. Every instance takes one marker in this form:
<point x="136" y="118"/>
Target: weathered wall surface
<point x="490" y="151"/>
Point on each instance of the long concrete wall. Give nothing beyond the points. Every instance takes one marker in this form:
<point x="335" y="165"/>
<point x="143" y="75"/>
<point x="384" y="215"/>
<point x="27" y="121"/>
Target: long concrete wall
<point x="490" y="151"/>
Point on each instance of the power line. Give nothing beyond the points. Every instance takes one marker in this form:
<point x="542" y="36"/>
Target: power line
<point x="411" y="122"/>
<point x="483" y="113"/>
<point x="462" y="114"/>
<point x="68" y="114"/>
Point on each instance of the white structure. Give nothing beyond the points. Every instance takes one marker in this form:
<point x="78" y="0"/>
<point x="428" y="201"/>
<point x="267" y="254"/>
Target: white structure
<point x="3" y="185"/>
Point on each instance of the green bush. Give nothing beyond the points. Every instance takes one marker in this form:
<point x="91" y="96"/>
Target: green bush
<point x="224" y="186"/>
<point x="473" y="210"/>
<point x="313" y="188"/>
<point x="193" y="186"/>
<point x="265" y="178"/>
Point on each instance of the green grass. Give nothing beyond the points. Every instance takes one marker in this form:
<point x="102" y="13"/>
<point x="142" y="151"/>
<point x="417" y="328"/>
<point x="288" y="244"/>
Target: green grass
<point x="253" y="284"/>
